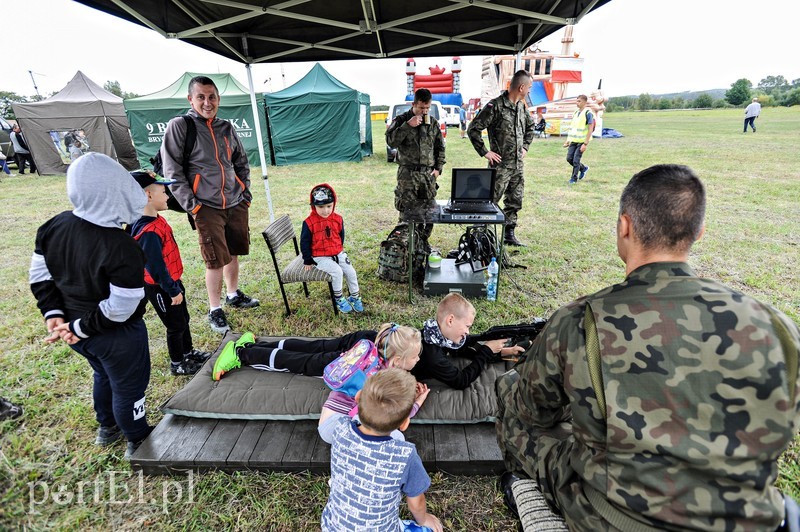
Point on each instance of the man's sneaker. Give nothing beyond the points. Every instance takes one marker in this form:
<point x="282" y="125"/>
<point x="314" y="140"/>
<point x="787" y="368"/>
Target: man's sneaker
<point x="107" y="435"/>
<point x="196" y="355"/>
<point x="240" y="300"/>
<point x="186" y="367"/>
<point x="343" y="305"/>
<point x="218" y="321"/>
<point x="244" y="340"/>
<point x="226" y="361"/>
<point x="356" y="303"/>
<point x="132" y="447"/>
<point x="583" y="172"/>
<point x="572" y="182"/>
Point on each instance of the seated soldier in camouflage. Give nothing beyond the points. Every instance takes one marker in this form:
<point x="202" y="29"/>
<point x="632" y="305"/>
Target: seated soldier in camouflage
<point x="662" y="402"/>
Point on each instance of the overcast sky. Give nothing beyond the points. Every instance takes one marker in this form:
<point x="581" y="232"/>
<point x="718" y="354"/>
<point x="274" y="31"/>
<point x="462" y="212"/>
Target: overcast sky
<point x="634" y="46"/>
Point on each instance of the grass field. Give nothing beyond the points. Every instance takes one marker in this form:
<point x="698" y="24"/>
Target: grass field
<point x="51" y="476"/>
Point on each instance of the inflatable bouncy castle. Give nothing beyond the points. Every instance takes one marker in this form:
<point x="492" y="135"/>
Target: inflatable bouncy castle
<point x="551" y="75"/>
<point x="446" y="88"/>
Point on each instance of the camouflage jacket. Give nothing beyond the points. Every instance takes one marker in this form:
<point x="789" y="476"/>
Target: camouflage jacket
<point x="416" y="146"/>
<point x="697" y="400"/>
<point x="510" y="129"/>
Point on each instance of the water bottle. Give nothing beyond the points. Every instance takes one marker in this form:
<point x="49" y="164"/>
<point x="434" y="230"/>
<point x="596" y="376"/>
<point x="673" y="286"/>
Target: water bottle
<point x="491" y="282"/>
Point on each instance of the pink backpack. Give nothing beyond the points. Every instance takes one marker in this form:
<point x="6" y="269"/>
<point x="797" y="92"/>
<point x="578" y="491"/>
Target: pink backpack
<point x="348" y="373"/>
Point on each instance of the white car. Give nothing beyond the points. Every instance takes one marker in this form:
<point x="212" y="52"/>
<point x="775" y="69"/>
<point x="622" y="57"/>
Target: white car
<point x="437" y="112"/>
<point x="453" y="117"/>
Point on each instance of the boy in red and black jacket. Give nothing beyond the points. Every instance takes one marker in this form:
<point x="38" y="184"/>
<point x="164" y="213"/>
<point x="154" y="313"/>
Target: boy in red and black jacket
<point x="322" y="245"/>
<point x="162" y="275"/>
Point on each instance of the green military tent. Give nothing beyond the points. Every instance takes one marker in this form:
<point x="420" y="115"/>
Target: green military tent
<point x="148" y="115"/>
<point x="319" y="119"/>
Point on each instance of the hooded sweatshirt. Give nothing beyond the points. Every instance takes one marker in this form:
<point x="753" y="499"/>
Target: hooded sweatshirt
<point x="321" y="237"/>
<point x="85" y="268"/>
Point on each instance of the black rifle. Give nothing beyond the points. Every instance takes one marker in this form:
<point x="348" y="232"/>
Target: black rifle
<point x="521" y="334"/>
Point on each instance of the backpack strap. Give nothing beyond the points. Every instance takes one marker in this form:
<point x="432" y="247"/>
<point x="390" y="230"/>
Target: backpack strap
<point x="593" y="358"/>
<point x="188" y="145"/>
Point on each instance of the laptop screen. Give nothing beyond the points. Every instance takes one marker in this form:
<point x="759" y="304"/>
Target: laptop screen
<point x="471" y="184"/>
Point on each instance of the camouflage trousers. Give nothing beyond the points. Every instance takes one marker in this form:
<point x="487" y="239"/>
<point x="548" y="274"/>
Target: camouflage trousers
<point x="510" y="186"/>
<point x="414" y="186"/>
<point x="543" y="455"/>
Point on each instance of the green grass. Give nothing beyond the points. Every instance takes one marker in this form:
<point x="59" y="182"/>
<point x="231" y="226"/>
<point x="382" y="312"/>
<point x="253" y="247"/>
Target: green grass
<point x="751" y="243"/>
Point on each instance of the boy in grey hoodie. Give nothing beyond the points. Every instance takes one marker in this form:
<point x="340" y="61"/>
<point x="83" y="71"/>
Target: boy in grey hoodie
<point x="87" y="275"/>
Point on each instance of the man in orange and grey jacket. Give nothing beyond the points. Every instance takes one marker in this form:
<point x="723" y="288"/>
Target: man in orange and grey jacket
<point x="215" y="190"/>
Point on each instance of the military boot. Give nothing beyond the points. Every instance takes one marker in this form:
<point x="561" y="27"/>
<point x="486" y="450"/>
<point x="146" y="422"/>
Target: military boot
<point x="510" y="238"/>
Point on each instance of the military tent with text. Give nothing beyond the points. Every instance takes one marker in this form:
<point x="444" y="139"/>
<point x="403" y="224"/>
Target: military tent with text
<point x="148" y="115"/>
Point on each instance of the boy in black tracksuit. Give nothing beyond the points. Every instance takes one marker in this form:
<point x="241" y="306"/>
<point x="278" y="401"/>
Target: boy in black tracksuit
<point x="162" y="275"/>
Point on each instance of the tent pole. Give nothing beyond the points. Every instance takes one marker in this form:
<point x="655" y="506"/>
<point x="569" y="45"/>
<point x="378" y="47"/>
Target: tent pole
<point x="260" y="141"/>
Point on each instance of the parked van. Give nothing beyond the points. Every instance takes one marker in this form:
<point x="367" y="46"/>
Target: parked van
<point x="453" y="118"/>
<point x="437" y="112"/>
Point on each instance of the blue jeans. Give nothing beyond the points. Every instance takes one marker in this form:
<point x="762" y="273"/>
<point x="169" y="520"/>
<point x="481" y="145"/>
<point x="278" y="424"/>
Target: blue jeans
<point x="752" y="122"/>
<point x="121" y="363"/>
<point x="574" y="158"/>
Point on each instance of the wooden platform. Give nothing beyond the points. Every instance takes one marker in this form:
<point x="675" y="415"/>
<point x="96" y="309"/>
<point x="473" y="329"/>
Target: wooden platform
<point x="179" y="444"/>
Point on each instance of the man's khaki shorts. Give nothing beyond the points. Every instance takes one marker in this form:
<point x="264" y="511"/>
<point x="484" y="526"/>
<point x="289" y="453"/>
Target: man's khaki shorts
<point x="223" y="234"/>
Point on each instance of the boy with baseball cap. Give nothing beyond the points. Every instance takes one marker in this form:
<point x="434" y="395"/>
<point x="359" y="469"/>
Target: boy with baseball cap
<point x="162" y="275"/>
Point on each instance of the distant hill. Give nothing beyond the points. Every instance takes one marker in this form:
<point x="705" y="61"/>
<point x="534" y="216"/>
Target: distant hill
<point x="717" y="94"/>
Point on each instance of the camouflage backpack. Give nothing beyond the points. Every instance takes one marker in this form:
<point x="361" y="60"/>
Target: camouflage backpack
<point x="393" y="256"/>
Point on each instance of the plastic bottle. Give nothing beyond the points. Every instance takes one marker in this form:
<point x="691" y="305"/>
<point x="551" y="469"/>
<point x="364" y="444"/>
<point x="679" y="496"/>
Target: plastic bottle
<point x="491" y="282"/>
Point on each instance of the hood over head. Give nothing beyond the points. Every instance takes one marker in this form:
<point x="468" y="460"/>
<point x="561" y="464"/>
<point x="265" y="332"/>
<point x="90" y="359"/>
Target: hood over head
<point x="103" y="192"/>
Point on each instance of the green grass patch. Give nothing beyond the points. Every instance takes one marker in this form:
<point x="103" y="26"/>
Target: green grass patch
<point x="751" y="243"/>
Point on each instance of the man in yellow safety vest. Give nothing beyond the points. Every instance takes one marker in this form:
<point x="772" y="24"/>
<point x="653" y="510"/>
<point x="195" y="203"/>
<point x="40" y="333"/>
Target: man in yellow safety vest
<point x="580" y="134"/>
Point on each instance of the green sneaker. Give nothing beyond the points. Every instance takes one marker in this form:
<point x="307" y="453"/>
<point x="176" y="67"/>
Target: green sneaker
<point x="226" y="361"/>
<point x="245" y="340"/>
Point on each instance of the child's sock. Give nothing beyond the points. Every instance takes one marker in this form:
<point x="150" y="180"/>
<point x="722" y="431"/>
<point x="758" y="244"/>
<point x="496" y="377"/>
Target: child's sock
<point x="337" y="294"/>
<point x="355" y="295"/>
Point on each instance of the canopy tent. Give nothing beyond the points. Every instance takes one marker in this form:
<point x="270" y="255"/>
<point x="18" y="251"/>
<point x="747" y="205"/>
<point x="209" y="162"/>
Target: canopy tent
<point x="254" y="31"/>
<point x="302" y="117"/>
<point x="148" y="115"/>
<point x="257" y="31"/>
<point x="80" y="105"/>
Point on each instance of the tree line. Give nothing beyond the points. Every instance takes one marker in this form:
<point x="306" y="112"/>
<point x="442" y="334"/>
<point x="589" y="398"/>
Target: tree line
<point x="771" y="91"/>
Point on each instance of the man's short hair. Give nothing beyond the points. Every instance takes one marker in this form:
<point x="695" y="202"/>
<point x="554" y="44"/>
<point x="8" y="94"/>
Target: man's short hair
<point x="583" y="97"/>
<point x="202" y="80"/>
<point x="455" y="304"/>
<point x="422" y="95"/>
<point x="520" y="77"/>
<point x="386" y="399"/>
<point x="666" y="204"/>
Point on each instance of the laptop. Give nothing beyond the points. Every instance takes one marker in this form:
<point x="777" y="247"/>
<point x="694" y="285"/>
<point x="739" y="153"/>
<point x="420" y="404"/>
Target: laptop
<point x="471" y="191"/>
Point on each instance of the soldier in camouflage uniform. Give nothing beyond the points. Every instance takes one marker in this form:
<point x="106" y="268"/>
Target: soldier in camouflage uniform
<point x="420" y="153"/>
<point x="510" y="129"/>
<point x="691" y="404"/>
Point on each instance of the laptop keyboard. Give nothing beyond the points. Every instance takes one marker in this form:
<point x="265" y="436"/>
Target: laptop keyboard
<point x="471" y="207"/>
